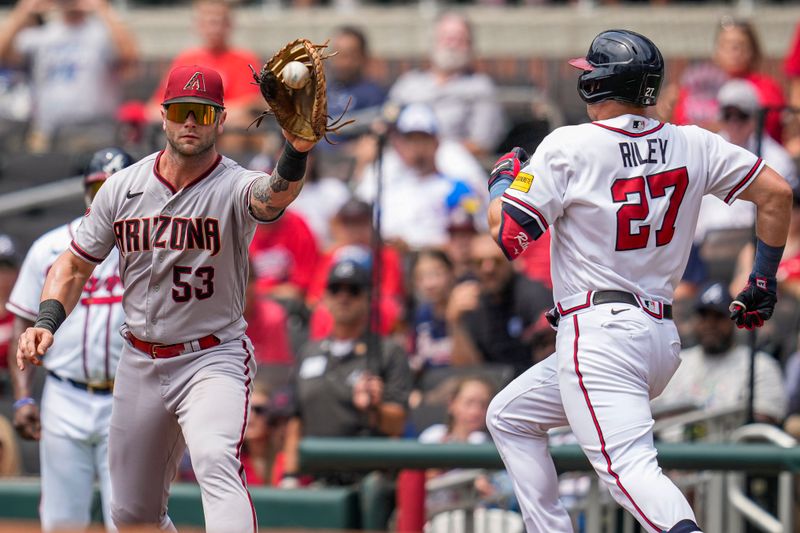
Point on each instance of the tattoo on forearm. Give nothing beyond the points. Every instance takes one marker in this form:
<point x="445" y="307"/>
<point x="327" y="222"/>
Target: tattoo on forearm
<point x="277" y="183"/>
<point x="261" y="190"/>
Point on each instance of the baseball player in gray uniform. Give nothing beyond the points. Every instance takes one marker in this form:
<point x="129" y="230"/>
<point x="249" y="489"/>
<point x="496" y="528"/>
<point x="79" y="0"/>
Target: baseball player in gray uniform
<point x="181" y="220"/>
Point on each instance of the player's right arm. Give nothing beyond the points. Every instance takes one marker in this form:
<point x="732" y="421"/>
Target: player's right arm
<point x="62" y="290"/>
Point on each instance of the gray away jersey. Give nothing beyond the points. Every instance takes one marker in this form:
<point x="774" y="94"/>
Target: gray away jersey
<point x="183" y="254"/>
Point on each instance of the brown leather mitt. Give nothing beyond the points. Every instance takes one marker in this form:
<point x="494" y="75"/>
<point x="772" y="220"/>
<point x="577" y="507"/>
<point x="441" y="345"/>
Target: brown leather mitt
<point x="303" y="111"/>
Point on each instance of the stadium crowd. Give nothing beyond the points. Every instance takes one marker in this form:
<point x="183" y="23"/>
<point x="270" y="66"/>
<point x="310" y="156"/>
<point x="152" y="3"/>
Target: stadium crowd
<point x="407" y="333"/>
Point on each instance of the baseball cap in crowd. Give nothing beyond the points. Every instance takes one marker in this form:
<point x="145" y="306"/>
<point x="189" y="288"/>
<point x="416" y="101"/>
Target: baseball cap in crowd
<point x="9" y="256"/>
<point x="713" y="297"/>
<point x="417" y="118"/>
<point x="460" y="219"/>
<point x="352" y="265"/>
<point x="194" y="84"/>
<point x="740" y="95"/>
<point x="355" y="211"/>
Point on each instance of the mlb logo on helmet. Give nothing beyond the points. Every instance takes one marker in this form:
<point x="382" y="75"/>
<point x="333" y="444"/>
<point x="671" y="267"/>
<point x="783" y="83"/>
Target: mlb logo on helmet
<point x="194" y="84"/>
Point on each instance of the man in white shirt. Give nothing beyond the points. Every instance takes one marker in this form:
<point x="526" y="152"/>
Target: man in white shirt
<point x="714" y="374"/>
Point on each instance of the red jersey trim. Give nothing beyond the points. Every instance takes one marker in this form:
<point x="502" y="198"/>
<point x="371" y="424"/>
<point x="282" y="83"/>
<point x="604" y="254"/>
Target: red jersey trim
<point x="101" y="300"/>
<point x="195" y="181"/>
<point x="628" y="133"/>
<point x="83" y="253"/>
<point x="732" y="195"/>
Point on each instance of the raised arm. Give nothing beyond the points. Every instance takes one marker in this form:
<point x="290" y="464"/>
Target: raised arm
<point x="773" y="199"/>
<point x="270" y="195"/>
<point x="121" y="36"/>
<point x="18" y="19"/>
<point x="62" y="290"/>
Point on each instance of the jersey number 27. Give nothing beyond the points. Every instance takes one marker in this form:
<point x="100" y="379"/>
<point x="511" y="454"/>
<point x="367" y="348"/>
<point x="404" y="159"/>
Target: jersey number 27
<point x="656" y="185"/>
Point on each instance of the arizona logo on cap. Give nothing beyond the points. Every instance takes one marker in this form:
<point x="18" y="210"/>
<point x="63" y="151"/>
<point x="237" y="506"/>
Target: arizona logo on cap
<point x="196" y="83"/>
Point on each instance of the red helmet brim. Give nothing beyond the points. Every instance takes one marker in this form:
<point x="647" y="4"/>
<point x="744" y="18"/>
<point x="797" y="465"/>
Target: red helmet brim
<point x="581" y="63"/>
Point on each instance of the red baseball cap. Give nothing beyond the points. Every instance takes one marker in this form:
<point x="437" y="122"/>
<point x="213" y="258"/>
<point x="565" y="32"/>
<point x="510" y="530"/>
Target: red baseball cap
<point x="194" y="83"/>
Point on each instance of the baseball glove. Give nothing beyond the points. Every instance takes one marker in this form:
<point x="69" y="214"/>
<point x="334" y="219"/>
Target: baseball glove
<point x="304" y="111"/>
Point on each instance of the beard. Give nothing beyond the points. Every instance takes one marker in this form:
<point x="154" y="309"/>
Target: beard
<point x="188" y="150"/>
<point x="716" y="344"/>
<point x="450" y="60"/>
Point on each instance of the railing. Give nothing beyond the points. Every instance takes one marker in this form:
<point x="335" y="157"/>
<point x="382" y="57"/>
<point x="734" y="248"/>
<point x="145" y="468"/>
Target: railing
<point x="716" y="461"/>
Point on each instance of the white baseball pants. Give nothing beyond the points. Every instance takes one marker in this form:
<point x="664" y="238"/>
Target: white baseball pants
<point x="606" y="368"/>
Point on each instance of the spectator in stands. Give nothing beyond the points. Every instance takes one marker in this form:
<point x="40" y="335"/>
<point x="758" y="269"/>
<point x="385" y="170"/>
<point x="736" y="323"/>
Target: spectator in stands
<point x="461" y="229"/>
<point x="9" y="267"/>
<point x="487" y="318"/>
<point x="349" y="87"/>
<point x="738" y="107"/>
<point x="791" y="69"/>
<point x="737" y="54"/>
<point x="352" y="227"/>
<point x="347" y="385"/>
<point x="77" y="59"/>
<point x="10" y="456"/>
<point x="213" y="23"/>
<point x="284" y="255"/>
<point x="417" y="196"/>
<point x="319" y="201"/>
<point x="714" y="374"/>
<point x="466" y="414"/>
<point x="433" y="282"/>
<point x="266" y="326"/>
<point x="390" y="297"/>
<point x="465" y="101"/>
<point x="259" y="449"/>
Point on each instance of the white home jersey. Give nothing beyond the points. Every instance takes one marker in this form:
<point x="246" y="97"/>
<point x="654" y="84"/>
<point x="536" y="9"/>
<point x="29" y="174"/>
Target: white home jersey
<point x="87" y="346"/>
<point x="632" y="188"/>
<point x="183" y="254"/>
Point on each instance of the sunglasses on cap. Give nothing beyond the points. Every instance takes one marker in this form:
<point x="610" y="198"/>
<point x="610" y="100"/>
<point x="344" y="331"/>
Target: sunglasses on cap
<point x="731" y="114"/>
<point x="204" y="114"/>
<point x="352" y="290"/>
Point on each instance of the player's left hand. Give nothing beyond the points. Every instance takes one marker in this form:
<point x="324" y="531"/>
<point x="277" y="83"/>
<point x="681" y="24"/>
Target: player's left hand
<point x="33" y="343"/>
<point x="509" y="165"/>
<point x="755" y="304"/>
<point x="301" y="145"/>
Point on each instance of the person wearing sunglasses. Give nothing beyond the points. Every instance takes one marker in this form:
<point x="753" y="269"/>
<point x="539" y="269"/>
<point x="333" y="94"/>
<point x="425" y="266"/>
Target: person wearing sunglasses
<point x="739" y="106"/>
<point x="181" y="221"/>
<point x="345" y="385"/>
<point x="71" y="421"/>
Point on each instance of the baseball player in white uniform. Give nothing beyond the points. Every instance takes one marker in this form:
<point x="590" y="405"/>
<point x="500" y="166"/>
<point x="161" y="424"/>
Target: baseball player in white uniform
<point x="182" y="220"/>
<point x="72" y="424"/>
<point x="622" y="196"/>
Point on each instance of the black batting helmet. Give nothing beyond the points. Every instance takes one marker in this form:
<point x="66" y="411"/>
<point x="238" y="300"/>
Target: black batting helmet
<point x="104" y="163"/>
<point x="621" y="65"/>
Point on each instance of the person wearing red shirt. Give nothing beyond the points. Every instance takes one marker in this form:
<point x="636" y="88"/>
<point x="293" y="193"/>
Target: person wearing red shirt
<point x="737" y="54"/>
<point x="284" y="256"/>
<point x="9" y="267"/>
<point x="214" y="25"/>
<point x="791" y="68"/>
<point x="352" y="226"/>
<point x="266" y="327"/>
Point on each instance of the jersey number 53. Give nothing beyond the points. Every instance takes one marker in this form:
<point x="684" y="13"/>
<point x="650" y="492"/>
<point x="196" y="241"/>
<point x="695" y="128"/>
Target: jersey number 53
<point x="656" y="185"/>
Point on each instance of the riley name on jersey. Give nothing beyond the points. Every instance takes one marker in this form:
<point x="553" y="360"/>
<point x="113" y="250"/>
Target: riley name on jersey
<point x="175" y="233"/>
<point x="654" y="152"/>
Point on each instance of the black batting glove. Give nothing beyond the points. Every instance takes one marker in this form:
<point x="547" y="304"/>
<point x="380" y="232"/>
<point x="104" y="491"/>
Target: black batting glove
<point x="755" y="304"/>
<point x="509" y="165"/>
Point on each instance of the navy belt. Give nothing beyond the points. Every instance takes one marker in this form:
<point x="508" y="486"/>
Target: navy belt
<point x="102" y="389"/>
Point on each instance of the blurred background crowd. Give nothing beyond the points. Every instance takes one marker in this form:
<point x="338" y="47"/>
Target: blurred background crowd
<point x="410" y="332"/>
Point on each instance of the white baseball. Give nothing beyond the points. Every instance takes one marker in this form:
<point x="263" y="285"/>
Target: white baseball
<point x="295" y="75"/>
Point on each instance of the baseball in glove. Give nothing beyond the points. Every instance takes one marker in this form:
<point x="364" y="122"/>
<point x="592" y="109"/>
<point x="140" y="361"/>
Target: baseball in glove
<point x="303" y="111"/>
